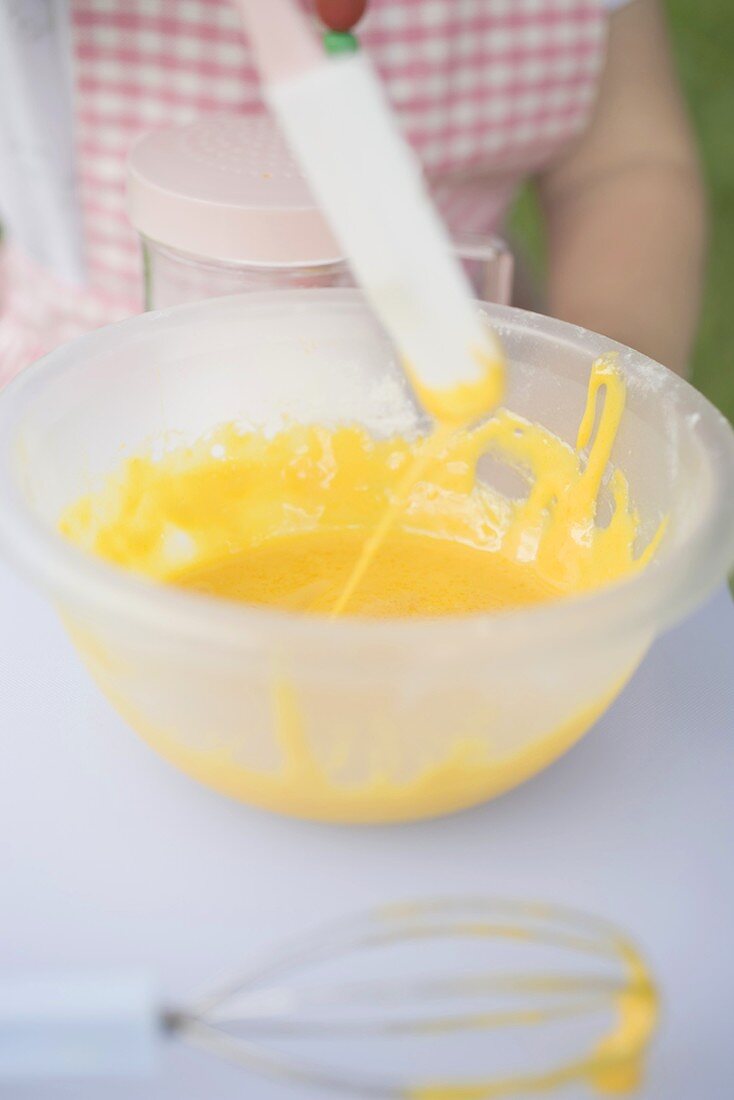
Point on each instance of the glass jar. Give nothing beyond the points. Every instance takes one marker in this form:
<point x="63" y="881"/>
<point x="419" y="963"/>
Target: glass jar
<point x="173" y="277"/>
<point x="221" y="207"/>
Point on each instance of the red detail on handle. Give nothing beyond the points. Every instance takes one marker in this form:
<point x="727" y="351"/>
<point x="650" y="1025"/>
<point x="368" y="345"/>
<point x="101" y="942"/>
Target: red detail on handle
<point x="340" y="15"/>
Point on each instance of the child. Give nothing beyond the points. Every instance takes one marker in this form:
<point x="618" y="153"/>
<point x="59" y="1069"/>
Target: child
<point x="580" y="95"/>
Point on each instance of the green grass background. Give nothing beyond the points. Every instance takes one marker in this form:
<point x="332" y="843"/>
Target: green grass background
<point x="703" y="40"/>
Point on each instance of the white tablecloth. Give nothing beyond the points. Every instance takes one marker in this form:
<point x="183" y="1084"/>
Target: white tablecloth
<point x="108" y="856"/>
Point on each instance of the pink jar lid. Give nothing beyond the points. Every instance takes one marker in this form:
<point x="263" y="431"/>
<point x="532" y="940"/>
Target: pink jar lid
<point x="226" y="188"/>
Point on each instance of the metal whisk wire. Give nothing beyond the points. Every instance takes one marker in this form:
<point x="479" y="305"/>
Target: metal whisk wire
<point x="267" y="1004"/>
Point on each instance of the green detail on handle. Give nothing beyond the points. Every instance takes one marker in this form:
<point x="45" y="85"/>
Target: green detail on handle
<point x="336" y="42"/>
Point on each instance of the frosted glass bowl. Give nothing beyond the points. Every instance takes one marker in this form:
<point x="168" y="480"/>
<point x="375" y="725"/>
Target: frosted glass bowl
<point x="348" y="720"/>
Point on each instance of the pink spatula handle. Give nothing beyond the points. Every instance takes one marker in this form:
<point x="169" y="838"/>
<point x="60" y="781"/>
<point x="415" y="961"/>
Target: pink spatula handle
<point x="281" y="40"/>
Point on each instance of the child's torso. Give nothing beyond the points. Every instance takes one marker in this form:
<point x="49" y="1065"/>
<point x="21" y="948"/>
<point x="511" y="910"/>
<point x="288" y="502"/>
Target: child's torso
<point x="488" y="92"/>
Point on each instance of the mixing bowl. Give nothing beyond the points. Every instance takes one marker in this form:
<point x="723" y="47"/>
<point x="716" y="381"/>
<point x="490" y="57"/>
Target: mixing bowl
<point x="348" y="720"/>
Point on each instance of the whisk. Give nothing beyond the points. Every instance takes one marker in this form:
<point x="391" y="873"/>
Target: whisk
<point x="422" y="990"/>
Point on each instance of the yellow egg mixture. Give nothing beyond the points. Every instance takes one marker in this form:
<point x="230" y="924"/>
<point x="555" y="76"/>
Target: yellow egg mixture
<point x="329" y="521"/>
<point x="332" y="521"/>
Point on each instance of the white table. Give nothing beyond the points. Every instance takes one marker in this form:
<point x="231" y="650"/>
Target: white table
<point x="108" y="856"/>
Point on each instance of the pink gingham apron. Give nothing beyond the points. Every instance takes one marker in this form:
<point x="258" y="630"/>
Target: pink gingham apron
<point x="488" y="92"/>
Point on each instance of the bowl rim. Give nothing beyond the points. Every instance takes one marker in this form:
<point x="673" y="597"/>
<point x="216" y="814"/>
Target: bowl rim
<point x="649" y="601"/>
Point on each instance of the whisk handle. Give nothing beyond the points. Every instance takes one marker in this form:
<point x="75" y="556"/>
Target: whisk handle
<point x="78" y="1025"/>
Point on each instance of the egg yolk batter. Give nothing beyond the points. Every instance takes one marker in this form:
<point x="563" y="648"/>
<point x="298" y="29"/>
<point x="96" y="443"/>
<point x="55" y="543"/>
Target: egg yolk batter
<point x="327" y="521"/>
<point x="321" y="520"/>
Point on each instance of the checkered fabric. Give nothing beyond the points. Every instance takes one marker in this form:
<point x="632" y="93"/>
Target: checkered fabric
<point x="487" y="90"/>
<point x="39" y="312"/>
